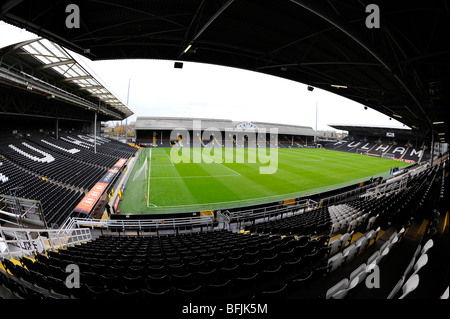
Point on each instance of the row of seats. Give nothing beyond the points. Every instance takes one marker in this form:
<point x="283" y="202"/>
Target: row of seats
<point x="346" y="254"/>
<point x="168" y="265"/>
<point x="103" y="145"/>
<point x="409" y="281"/>
<point x="315" y="221"/>
<point x="359" y="274"/>
<point x="396" y="209"/>
<point x="57" y="201"/>
<point x="46" y="159"/>
<point x="339" y="257"/>
<point x="74" y="151"/>
<point x="399" y="149"/>
<point x="54" y="171"/>
<point x="257" y="265"/>
<point x="346" y="218"/>
<point x="62" y="168"/>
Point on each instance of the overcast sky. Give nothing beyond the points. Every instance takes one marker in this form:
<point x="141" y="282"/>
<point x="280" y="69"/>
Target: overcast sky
<point x="209" y="91"/>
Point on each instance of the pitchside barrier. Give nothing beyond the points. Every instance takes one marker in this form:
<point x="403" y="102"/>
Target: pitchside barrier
<point x="237" y="215"/>
<point x="209" y="221"/>
<point x="89" y="202"/>
<point x="203" y="221"/>
<point x="147" y="225"/>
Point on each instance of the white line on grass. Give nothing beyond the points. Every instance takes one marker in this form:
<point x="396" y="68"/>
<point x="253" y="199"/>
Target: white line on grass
<point x="230" y="170"/>
<point x="304" y="193"/>
<point x="197" y="176"/>
<point x="148" y="192"/>
<point x="169" y="159"/>
<point x="148" y="181"/>
<point x="220" y="164"/>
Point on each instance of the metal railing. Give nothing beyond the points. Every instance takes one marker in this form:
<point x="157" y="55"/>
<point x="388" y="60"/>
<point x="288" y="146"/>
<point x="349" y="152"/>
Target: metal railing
<point x="396" y="185"/>
<point x="144" y="224"/>
<point x="21" y="211"/>
<point x="265" y="213"/>
<point x="25" y="241"/>
<point x="203" y="222"/>
<point x="347" y="196"/>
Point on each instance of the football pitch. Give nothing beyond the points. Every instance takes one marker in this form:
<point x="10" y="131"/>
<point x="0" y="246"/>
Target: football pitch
<point x="159" y="184"/>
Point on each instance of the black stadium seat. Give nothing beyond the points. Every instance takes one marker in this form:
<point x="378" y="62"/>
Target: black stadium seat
<point x="279" y="258"/>
<point x="54" y="171"/>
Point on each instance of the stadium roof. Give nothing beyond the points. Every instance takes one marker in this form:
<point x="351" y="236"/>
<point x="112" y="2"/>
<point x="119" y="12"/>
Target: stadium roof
<point x="399" y="69"/>
<point x="374" y="130"/>
<point x="59" y="75"/>
<point x="171" y="123"/>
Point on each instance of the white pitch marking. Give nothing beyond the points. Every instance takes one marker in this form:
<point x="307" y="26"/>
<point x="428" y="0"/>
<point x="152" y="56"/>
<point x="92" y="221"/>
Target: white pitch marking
<point x="220" y="164"/>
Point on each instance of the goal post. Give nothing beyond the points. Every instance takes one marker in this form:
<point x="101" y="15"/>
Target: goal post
<point x="388" y="155"/>
<point x="362" y="151"/>
<point x="143" y="170"/>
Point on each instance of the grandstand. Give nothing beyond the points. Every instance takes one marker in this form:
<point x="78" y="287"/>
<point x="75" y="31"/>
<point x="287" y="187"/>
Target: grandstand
<point x="62" y="235"/>
<point x="397" y="144"/>
<point x="156" y="132"/>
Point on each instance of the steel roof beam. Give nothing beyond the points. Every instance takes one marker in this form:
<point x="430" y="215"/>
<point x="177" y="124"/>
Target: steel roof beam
<point x="9" y="5"/>
<point x="210" y="21"/>
<point x="51" y="65"/>
<point x="84" y="77"/>
<point x="350" y="33"/>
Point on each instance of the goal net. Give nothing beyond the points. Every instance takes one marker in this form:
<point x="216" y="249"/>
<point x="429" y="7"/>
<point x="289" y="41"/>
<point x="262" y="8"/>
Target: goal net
<point x="142" y="172"/>
<point x="361" y="151"/>
<point x="388" y="155"/>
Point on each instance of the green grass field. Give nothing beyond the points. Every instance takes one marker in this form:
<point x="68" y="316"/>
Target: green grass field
<point x="188" y="187"/>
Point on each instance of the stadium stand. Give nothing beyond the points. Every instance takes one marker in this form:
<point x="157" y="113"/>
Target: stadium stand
<point x="50" y="164"/>
<point x="104" y="145"/>
<point x="56" y="172"/>
<point x="394" y="148"/>
<point x="73" y="150"/>
<point x="331" y="246"/>
<point x="58" y="201"/>
<point x="286" y="258"/>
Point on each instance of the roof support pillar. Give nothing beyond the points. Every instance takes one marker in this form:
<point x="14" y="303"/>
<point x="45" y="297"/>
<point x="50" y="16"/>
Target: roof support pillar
<point x="57" y="128"/>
